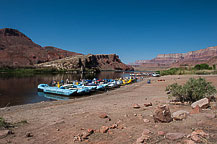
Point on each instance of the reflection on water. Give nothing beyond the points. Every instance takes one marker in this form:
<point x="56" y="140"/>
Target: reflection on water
<point x="18" y="89"/>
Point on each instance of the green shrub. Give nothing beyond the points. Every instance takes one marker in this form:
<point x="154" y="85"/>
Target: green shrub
<point x="202" y="67"/>
<point x="171" y="71"/>
<point x="192" y="90"/>
<point x="3" y="123"/>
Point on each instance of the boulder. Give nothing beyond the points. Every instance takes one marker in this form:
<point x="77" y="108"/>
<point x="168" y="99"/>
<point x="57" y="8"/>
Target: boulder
<point x="202" y="103"/>
<point x="180" y="115"/>
<point x="162" y="114"/>
<point x="174" y="136"/>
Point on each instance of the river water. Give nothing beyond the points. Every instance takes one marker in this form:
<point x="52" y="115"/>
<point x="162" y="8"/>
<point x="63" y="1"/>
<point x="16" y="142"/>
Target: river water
<point x="20" y="89"/>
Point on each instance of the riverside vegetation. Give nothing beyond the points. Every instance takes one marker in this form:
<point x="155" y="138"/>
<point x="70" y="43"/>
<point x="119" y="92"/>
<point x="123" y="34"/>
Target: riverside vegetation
<point x="197" y="69"/>
<point x="191" y="91"/>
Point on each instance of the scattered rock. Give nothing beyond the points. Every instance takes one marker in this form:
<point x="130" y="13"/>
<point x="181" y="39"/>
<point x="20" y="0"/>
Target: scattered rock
<point x="114" y="126"/>
<point x="103" y="115"/>
<point x="196" y="110"/>
<point x="200" y="132"/>
<point x="146" y="131"/>
<point x="196" y="138"/>
<point x="135" y="114"/>
<point x="28" y="134"/>
<point x="202" y="103"/>
<point x="104" y="129"/>
<point x="189" y="142"/>
<point x="142" y="139"/>
<point x="3" y="133"/>
<point x="90" y="131"/>
<point x="174" y="136"/>
<point x="77" y="138"/>
<point x="162" y="114"/>
<point x="146" y="120"/>
<point x="161" y="133"/>
<point x="85" y="135"/>
<point x="136" y="106"/>
<point x="180" y="115"/>
<point x="148" y="104"/>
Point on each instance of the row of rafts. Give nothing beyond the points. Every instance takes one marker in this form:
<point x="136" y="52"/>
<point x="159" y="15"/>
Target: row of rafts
<point x="83" y="87"/>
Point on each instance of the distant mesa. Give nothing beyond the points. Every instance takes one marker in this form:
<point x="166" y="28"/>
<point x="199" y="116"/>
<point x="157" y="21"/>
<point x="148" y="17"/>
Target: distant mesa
<point x="17" y="50"/>
<point x="163" y="61"/>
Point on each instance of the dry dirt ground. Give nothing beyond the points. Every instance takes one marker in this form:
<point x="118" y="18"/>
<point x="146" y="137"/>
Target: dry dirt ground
<point x="63" y="122"/>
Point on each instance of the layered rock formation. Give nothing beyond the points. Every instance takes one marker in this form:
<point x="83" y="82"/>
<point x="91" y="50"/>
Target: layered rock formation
<point x="17" y="50"/>
<point x="99" y="62"/>
<point x="208" y="55"/>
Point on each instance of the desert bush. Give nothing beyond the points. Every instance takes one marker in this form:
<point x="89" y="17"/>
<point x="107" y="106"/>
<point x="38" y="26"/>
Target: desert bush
<point x="192" y="90"/>
<point x="3" y="123"/>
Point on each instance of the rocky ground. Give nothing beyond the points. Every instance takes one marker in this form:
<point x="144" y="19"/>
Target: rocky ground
<point x="121" y="116"/>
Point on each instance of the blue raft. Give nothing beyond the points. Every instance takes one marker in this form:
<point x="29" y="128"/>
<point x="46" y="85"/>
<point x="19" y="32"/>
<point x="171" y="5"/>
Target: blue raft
<point x="55" y="90"/>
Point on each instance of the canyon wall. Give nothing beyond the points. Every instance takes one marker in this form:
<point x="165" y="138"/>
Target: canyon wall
<point x="207" y="55"/>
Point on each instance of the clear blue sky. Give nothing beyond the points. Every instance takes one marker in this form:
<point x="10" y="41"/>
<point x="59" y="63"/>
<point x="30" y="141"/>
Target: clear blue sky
<point x="133" y="29"/>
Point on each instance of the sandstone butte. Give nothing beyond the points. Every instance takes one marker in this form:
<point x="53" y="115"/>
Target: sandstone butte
<point x="18" y="50"/>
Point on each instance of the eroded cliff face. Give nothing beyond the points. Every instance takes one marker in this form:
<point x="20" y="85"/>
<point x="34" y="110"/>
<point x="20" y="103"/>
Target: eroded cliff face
<point x="99" y="62"/>
<point x="17" y="50"/>
<point x="192" y="58"/>
<point x="197" y="57"/>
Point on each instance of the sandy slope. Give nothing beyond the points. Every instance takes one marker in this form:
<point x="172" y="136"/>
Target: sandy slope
<point x="58" y="122"/>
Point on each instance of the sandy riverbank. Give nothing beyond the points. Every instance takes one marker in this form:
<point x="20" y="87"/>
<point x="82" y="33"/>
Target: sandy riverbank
<point x="60" y="121"/>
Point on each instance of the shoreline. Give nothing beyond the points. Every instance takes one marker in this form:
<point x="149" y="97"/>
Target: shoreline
<point x="60" y="121"/>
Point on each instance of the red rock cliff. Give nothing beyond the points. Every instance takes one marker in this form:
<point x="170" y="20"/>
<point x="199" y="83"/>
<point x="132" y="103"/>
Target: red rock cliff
<point x="17" y="50"/>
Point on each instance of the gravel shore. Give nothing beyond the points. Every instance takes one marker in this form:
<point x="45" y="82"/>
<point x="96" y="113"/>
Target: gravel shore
<point x="110" y="117"/>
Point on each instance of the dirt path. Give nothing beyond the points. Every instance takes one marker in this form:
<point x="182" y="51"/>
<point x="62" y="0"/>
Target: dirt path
<point x="61" y="122"/>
